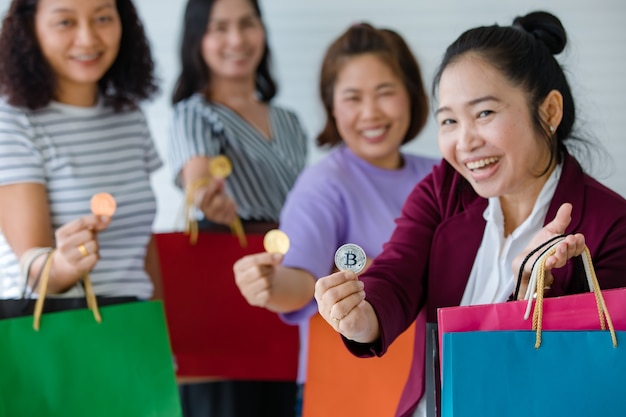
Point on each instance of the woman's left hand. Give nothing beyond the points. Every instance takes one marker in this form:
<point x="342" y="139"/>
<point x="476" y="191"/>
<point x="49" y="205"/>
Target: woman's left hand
<point x="571" y="246"/>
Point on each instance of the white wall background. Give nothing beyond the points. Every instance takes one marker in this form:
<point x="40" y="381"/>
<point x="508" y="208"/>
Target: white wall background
<point x="299" y="31"/>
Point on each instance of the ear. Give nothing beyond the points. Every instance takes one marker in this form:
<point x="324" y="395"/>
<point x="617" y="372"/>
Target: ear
<point x="551" y="110"/>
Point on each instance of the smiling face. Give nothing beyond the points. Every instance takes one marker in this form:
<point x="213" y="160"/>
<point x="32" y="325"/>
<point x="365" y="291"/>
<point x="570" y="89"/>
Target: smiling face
<point x="234" y="42"/>
<point x="486" y="131"/>
<point x="80" y="40"/>
<point x="371" y="108"/>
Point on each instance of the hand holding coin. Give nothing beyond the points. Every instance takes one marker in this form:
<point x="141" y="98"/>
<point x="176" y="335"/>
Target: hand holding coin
<point x="220" y="167"/>
<point x="276" y="241"/>
<point x="350" y="257"/>
<point x="103" y="204"/>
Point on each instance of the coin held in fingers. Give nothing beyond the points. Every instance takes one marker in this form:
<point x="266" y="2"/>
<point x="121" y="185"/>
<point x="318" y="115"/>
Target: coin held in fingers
<point x="276" y="241"/>
<point x="350" y="257"/>
<point x="103" y="204"/>
<point x="220" y="166"/>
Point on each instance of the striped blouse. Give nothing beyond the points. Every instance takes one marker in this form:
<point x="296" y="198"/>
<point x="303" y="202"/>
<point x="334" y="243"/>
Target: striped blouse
<point x="263" y="170"/>
<point x="77" y="152"/>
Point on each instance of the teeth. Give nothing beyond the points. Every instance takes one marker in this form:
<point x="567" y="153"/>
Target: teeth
<point x="482" y="163"/>
<point x="372" y="133"/>
<point x="86" y="57"/>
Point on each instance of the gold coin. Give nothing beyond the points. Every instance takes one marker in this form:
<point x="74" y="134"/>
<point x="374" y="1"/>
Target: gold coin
<point x="276" y="241"/>
<point x="220" y="166"/>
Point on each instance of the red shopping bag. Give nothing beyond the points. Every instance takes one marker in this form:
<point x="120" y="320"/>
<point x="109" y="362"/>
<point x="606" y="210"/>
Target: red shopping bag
<point x="214" y="332"/>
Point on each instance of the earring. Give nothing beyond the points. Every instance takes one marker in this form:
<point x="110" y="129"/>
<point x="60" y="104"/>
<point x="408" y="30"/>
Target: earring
<point x="551" y="129"/>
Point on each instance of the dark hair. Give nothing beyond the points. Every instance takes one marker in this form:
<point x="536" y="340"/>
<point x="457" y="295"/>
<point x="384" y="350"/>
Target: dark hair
<point x="393" y="50"/>
<point x="524" y="53"/>
<point x="27" y="80"/>
<point x="194" y="75"/>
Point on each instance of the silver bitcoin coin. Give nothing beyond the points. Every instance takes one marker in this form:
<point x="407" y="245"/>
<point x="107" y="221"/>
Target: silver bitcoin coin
<point x="350" y="257"/>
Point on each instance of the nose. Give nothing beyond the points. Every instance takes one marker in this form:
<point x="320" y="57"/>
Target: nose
<point x="370" y="108"/>
<point x="235" y="36"/>
<point x="468" y="139"/>
<point x="86" y="35"/>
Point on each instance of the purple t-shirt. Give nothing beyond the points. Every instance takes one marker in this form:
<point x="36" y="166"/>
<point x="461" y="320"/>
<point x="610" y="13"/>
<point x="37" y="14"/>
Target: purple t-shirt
<point x="342" y="199"/>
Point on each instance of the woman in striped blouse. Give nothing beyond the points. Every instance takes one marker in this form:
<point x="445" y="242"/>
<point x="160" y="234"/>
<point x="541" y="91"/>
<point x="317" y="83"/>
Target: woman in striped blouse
<point x="222" y="106"/>
<point x="72" y="75"/>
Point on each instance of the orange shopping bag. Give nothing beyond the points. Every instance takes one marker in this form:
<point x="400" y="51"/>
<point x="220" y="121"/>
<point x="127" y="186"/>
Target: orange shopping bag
<point x="340" y="384"/>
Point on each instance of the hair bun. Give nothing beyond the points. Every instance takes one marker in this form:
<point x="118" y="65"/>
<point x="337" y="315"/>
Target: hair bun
<point x="545" y="27"/>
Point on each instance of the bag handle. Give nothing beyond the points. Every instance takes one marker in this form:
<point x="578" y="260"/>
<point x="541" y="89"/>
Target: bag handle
<point x="90" y="295"/>
<point x="594" y="286"/>
<point x="530" y="254"/>
<point x="191" y="223"/>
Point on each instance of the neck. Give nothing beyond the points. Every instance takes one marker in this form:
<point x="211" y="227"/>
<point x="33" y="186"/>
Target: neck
<point x="80" y="95"/>
<point x="516" y="208"/>
<point x="232" y="93"/>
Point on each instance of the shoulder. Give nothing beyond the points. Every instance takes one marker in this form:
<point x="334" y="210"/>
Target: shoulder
<point x="285" y="113"/>
<point x="193" y="103"/>
<point x="420" y="163"/>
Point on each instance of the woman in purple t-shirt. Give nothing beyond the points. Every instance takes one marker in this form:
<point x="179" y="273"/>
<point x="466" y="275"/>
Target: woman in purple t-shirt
<point x="372" y="91"/>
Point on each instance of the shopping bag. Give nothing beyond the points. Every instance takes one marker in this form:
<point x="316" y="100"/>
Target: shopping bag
<point x="340" y="384"/>
<point x="213" y="330"/>
<point x="545" y="371"/>
<point x="501" y="373"/>
<point x="75" y="366"/>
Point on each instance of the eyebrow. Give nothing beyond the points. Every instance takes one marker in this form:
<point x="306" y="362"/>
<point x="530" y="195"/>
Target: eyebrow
<point x="250" y="15"/>
<point x="68" y="10"/>
<point x="470" y="103"/>
<point x="378" y="87"/>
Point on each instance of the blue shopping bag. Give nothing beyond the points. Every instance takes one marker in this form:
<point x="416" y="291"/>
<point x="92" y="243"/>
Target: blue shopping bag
<point x="501" y="373"/>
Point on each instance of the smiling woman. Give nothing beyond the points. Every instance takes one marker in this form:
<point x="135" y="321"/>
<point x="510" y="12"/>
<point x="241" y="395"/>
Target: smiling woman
<point x="72" y="76"/>
<point x="223" y="108"/>
<point x="507" y="184"/>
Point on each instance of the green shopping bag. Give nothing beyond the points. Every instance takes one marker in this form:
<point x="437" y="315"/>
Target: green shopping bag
<point x="75" y="366"/>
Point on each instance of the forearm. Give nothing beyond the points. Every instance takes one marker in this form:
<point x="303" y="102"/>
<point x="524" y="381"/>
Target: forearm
<point x="291" y="289"/>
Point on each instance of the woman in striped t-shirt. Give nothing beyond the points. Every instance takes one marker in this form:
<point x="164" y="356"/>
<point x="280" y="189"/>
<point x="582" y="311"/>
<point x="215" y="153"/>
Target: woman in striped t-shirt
<point x="72" y="74"/>
<point x="222" y="106"/>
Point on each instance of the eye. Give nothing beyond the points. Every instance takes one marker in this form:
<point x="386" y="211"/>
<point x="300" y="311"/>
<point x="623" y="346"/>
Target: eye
<point x="218" y="28"/>
<point x="104" y="18"/>
<point x="64" y="23"/>
<point x="248" y="23"/>
<point x="485" y="113"/>
<point x="446" y="122"/>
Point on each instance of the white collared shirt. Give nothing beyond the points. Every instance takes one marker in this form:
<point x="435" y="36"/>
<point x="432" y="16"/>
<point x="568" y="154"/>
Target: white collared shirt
<point x="492" y="279"/>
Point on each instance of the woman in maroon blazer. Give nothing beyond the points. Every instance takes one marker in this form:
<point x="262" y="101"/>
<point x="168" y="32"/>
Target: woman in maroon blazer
<point x="507" y="183"/>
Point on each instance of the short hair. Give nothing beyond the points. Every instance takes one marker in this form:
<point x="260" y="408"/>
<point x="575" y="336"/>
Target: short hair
<point x="194" y="75"/>
<point x="524" y="54"/>
<point x="361" y="39"/>
<point x="27" y="80"/>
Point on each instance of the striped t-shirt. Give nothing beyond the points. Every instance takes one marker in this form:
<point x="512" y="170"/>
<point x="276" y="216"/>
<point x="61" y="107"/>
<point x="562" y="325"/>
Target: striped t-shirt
<point x="263" y="170"/>
<point x="77" y="152"/>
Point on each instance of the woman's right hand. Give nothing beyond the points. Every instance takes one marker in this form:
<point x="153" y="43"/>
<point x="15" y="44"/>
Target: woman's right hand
<point x="254" y="275"/>
<point x="216" y="205"/>
<point x="77" y="251"/>
<point x="341" y="302"/>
